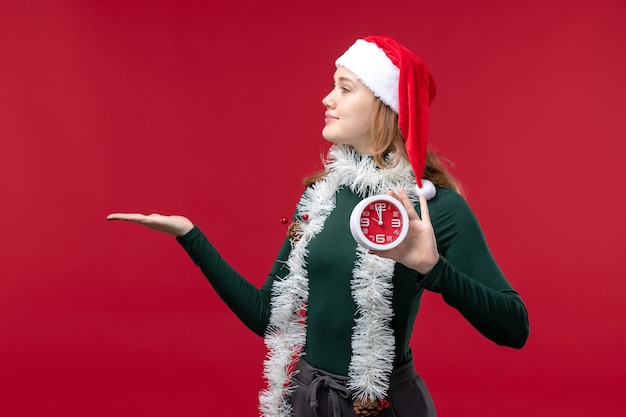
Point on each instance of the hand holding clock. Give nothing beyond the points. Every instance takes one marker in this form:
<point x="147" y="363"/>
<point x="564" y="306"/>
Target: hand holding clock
<point x="172" y="225"/>
<point x="418" y="250"/>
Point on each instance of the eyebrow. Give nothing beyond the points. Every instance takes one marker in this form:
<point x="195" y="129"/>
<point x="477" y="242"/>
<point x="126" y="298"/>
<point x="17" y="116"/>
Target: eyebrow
<point x="350" y="80"/>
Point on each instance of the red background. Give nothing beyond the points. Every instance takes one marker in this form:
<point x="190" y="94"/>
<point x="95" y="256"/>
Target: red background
<point x="212" y="110"/>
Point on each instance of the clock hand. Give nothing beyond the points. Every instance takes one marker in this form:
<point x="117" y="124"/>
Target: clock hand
<point x="379" y="212"/>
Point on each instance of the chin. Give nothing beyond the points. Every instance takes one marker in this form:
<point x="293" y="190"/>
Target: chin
<point x="329" y="136"/>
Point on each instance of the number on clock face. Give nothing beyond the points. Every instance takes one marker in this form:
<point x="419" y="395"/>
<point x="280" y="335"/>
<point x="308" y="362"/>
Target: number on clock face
<point x="381" y="222"/>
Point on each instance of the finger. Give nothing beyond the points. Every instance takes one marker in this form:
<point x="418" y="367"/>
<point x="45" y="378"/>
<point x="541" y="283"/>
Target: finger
<point x="392" y="193"/>
<point x="404" y="199"/>
<point x="392" y="254"/>
<point x="136" y="217"/>
<point x="382" y="254"/>
<point x="117" y="216"/>
<point x="424" y="209"/>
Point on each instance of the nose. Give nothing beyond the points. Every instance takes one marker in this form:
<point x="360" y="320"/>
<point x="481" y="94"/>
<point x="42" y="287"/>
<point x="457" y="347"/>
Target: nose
<point x="328" y="101"/>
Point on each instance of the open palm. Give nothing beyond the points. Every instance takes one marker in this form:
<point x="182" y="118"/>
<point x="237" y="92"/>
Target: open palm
<point x="172" y="225"/>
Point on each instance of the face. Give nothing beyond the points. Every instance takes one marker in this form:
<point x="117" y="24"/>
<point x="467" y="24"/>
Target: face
<point x="349" y="110"/>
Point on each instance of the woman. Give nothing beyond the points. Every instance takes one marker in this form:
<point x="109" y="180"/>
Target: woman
<point x="341" y="315"/>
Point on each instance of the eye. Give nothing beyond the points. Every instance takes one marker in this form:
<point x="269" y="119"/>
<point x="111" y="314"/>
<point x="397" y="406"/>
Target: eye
<point x="342" y="88"/>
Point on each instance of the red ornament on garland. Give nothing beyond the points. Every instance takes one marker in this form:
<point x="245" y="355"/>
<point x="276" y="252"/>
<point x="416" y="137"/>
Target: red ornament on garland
<point x="383" y="405"/>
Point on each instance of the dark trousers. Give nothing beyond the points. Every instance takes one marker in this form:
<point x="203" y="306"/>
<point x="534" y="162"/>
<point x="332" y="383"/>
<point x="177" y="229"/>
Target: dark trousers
<point x="322" y="394"/>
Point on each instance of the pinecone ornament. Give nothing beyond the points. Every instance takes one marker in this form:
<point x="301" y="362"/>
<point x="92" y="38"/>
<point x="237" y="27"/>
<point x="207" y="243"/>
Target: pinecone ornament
<point x="294" y="230"/>
<point x="369" y="408"/>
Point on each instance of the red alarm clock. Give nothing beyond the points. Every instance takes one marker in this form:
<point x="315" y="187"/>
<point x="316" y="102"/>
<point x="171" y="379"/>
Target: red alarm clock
<point x="379" y="223"/>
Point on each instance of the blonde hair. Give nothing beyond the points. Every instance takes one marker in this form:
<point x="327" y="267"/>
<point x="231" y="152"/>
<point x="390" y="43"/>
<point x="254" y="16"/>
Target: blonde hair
<point x="388" y="148"/>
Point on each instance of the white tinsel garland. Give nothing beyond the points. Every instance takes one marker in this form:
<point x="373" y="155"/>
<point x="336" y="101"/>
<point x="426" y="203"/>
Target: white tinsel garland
<point x="373" y="341"/>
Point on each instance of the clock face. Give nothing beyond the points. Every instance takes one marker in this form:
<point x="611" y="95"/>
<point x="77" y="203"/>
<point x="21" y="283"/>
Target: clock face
<point x="379" y="222"/>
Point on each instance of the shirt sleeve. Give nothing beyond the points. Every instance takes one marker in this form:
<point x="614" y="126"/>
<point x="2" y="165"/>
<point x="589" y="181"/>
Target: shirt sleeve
<point x="249" y="303"/>
<point x="468" y="277"/>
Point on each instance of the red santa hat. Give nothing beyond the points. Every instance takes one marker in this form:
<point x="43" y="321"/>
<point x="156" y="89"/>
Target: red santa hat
<point x="400" y="79"/>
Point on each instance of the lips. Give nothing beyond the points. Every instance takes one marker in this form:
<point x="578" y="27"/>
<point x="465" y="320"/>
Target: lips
<point x="329" y="117"/>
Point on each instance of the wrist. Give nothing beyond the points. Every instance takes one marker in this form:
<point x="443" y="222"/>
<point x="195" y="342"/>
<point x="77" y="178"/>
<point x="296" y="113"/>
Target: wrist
<point x="425" y="268"/>
<point x="183" y="231"/>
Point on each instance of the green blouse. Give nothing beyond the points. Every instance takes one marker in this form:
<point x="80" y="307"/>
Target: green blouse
<point x="466" y="276"/>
